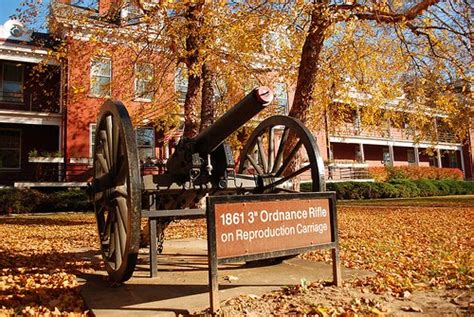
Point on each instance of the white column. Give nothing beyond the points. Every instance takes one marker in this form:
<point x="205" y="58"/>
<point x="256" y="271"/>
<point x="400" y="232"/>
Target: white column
<point x="392" y="155"/>
<point x="438" y="154"/>
<point x="361" y="149"/>
<point x="417" y="156"/>
<point x="167" y="151"/>
<point x="462" y="162"/>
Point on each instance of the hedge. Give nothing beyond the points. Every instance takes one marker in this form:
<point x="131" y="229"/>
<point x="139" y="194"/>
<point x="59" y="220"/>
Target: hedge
<point x="399" y="189"/>
<point x="22" y="200"/>
<point x="383" y="174"/>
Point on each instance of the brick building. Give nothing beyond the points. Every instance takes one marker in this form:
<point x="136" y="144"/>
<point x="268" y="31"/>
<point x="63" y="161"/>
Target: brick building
<point x="31" y="115"/>
<point x="94" y="69"/>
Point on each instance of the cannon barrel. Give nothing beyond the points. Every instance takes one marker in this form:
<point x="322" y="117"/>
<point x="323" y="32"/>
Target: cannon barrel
<point x="213" y="136"/>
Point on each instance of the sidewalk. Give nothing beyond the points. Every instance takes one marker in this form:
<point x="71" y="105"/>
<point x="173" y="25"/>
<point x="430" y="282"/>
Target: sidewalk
<point x="182" y="283"/>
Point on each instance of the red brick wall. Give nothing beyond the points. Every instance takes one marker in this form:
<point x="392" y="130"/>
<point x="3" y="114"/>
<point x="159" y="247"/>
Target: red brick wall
<point x="344" y="151"/>
<point x="82" y="109"/>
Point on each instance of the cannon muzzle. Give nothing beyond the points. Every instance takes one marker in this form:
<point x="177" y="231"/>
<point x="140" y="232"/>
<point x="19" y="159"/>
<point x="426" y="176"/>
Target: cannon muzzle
<point x="213" y="136"/>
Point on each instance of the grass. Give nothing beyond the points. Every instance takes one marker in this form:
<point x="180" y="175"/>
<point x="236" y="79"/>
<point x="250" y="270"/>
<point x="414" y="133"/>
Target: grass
<point x="437" y="201"/>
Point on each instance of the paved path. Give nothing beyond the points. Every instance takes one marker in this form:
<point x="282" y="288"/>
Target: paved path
<point x="182" y="283"/>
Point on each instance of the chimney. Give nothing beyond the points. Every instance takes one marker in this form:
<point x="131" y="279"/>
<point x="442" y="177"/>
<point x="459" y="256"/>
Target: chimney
<point x="109" y="7"/>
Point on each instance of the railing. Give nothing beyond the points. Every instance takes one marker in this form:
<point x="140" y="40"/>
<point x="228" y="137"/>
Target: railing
<point x="28" y="102"/>
<point x="346" y="173"/>
<point x="11" y="97"/>
<point x="446" y="136"/>
<point x="349" y="130"/>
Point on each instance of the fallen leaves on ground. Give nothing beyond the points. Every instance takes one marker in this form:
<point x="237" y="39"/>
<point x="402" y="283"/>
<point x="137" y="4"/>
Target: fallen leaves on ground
<point x="40" y="257"/>
<point x="421" y="256"/>
<point x="409" y="249"/>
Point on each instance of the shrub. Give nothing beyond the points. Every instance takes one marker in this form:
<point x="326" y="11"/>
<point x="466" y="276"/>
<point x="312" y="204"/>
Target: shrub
<point x="401" y="189"/>
<point x="406" y="188"/>
<point x="427" y="188"/>
<point x="69" y="200"/>
<point x="22" y="200"/>
<point x="379" y="174"/>
<point x="14" y="200"/>
<point x="383" y="174"/>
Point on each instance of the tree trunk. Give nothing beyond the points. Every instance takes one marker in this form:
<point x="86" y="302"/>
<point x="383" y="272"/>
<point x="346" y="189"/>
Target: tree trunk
<point x="307" y="74"/>
<point x="191" y="105"/>
<point x="309" y="66"/>
<point x="193" y="42"/>
<point x="208" y="104"/>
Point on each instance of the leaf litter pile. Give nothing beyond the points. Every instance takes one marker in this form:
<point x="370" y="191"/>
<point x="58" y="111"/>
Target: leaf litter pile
<point x="419" y="255"/>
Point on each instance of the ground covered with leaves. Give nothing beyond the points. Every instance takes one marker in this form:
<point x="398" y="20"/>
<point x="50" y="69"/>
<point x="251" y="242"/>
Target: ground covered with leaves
<point x="422" y="257"/>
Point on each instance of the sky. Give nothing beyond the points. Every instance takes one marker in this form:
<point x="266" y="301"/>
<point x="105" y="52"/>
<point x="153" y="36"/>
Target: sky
<point x="8" y="8"/>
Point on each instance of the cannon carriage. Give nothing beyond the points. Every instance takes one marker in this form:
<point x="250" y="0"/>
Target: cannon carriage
<point x="200" y="166"/>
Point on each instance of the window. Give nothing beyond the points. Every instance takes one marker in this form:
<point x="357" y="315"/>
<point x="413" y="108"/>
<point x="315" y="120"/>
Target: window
<point x="146" y="143"/>
<point x="10" y="148"/>
<point x="143" y="81"/>
<point x="101" y="77"/>
<point x="281" y="98"/>
<point x="411" y="157"/>
<point x="181" y="85"/>
<point x="453" y="161"/>
<point x="12" y="83"/>
<point x="92" y="128"/>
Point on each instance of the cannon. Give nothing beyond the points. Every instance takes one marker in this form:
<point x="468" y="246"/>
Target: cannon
<point x="280" y="153"/>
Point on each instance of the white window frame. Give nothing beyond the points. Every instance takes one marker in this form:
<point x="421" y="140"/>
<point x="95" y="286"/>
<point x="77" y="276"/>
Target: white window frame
<point x="91" y="76"/>
<point x="385" y="154"/>
<point x="92" y="131"/>
<point x="19" y="150"/>
<point x="139" y="95"/>
<point x="151" y="146"/>
<point x="2" y="76"/>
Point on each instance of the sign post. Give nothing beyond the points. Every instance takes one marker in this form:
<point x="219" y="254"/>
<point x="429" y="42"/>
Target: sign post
<point x="257" y="227"/>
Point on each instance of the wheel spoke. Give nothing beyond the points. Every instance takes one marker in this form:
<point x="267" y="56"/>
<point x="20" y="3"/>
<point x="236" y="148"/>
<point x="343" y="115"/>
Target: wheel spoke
<point x="281" y="146"/>
<point x="289" y="159"/>
<point x="100" y="220"/>
<point x="116" y="141"/>
<point x="271" y="150"/>
<point x="108" y="225"/>
<point x="121" y="229"/>
<point x="122" y="206"/>
<point x="122" y="171"/>
<point x="111" y="239"/>
<point x="285" y="179"/>
<point x="110" y="139"/>
<point x="261" y="154"/>
<point x="121" y="190"/>
<point x="118" y="247"/>
<point x="255" y="164"/>
<point x="102" y="162"/>
<point x="105" y="144"/>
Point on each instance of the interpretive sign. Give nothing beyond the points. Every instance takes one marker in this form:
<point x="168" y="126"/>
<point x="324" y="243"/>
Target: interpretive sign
<point x="254" y="227"/>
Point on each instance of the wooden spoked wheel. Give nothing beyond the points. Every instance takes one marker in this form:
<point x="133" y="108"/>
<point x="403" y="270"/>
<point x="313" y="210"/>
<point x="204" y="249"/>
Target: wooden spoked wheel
<point x="282" y="153"/>
<point x="117" y="190"/>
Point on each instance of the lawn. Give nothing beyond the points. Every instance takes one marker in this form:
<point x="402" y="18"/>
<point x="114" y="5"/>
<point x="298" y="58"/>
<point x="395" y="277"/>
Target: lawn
<point x="410" y="249"/>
